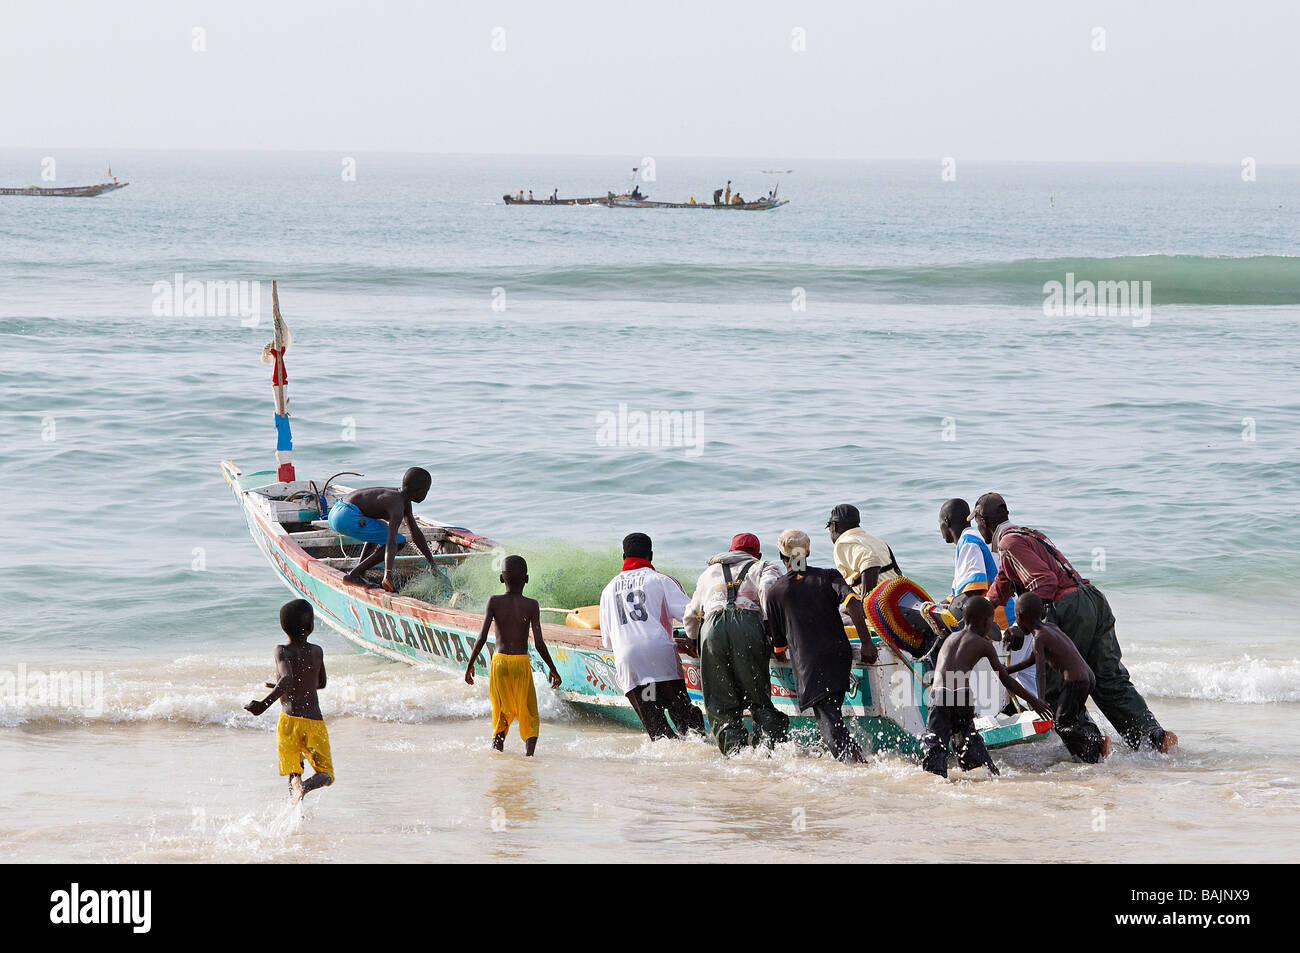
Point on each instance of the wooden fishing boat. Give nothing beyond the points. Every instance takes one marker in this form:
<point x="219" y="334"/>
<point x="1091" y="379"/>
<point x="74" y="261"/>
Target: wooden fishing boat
<point x="759" y="206"/>
<point x="285" y="516"/>
<point x="588" y="200"/>
<point x="68" y="192"/>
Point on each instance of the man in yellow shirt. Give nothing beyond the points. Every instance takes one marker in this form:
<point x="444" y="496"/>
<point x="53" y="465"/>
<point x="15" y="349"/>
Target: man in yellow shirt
<point x="863" y="560"/>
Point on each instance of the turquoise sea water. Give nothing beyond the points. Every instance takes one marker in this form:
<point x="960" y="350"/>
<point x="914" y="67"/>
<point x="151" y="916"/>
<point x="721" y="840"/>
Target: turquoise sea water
<point x="1158" y="450"/>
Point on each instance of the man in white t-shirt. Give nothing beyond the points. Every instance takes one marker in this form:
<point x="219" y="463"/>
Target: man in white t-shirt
<point x="637" y="610"/>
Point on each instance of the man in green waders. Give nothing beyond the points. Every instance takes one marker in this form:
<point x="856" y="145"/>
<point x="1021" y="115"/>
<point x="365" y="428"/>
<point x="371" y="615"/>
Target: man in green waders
<point x="726" y="615"/>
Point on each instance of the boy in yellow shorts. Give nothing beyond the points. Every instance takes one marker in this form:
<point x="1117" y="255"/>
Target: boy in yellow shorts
<point x="301" y="732"/>
<point x="511" y="681"/>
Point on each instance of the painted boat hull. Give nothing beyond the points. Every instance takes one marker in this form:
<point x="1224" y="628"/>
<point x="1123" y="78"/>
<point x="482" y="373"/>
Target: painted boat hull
<point x="886" y="700"/>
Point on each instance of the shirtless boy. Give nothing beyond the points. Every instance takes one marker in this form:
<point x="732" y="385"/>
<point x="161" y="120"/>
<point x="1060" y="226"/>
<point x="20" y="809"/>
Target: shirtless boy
<point x="952" y="706"/>
<point x="373" y="515"/>
<point x="511" y="681"/>
<point x="301" y="732"/>
<point x="1053" y="647"/>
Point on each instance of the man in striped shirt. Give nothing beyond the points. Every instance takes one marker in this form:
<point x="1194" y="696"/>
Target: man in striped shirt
<point x="1030" y="562"/>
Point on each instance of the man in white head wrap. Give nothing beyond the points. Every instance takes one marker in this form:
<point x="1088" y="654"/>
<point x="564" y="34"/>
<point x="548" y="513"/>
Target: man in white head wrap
<point x="803" y="611"/>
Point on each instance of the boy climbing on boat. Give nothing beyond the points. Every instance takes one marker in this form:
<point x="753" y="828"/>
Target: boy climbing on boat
<point x="511" y="681"/>
<point x="300" y="732"/>
<point x="373" y="515"/>
<point x="951" y="722"/>
<point x="1052" y="647"/>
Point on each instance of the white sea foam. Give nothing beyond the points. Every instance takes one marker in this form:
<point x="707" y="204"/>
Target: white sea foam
<point x="1244" y="679"/>
<point x="205" y="690"/>
<point x="208" y="691"/>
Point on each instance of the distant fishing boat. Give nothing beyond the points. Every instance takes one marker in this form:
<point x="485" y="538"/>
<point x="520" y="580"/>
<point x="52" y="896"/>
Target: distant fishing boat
<point x="286" y="517"/>
<point x="588" y="200"/>
<point x="759" y="206"/>
<point x="71" y="191"/>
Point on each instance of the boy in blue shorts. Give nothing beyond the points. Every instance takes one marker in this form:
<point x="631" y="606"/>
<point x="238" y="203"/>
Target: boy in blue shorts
<point x="373" y="515"/>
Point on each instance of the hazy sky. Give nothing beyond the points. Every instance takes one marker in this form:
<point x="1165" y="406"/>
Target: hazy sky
<point x="1002" y="79"/>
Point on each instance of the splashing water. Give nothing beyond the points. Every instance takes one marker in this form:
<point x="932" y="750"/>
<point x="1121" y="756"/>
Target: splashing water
<point x="560" y="575"/>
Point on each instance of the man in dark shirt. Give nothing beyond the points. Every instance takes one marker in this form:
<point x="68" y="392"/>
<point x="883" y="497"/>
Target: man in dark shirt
<point x="803" y="612"/>
<point x="1030" y="562"/>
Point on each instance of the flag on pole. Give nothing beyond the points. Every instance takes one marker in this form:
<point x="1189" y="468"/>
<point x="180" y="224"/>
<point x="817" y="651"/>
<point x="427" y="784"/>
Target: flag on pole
<point x="273" y="354"/>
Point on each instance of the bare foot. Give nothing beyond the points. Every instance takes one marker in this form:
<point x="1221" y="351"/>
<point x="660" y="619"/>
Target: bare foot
<point x="1168" y="742"/>
<point x="388" y="586"/>
<point x="1105" y="747"/>
<point x="354" y="580"/>
<point x="295" y="789"/>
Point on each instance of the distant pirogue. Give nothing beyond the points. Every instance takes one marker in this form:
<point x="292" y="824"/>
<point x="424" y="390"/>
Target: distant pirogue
<point x="589" y="200"/>
<point x="627" y="201"/>
<point x="759" y="206"/>
<point x="68" y="192"/>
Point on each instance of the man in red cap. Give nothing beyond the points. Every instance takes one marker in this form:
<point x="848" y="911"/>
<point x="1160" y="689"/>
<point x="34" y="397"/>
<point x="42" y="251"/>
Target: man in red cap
<point x="726" y="615"/>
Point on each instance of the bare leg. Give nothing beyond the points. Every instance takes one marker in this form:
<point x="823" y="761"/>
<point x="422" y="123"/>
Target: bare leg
<point x="295" y="788"/>
<point x="530" y="747"/>
<point x="367" y="560"/>
<point x="318" y="780"/>
<point x="499" y="741"/>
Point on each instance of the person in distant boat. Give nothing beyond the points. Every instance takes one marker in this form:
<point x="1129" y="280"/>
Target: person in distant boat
<point x="1030" y="562"/>
<point x="373" y="515"/>
<point x="726" y="617"/>
<point x="726" y="195"/>
<point x="636" y="193"/>
<point x="803" y="612"/>
<point x="637" y="609"/>
<point x="530" y="195"/>
<point x="1053" y="648"/>
<point x="717" y="196"/>
<point x="951" y="722"/>
<point x="555" y="196"/>
<point x="863" y="560"/>
<point x="511" y="681"/>
<point x="737" y="200"/>
<point x="520" y="196"/>
<point x="300" y="733"/>
<point x="974" y="570"/>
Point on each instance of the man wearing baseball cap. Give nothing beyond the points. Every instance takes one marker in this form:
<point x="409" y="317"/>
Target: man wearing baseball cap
<point x="726" y="615"/>
<point x="1030" y="562"/>
<point x="863" y="560"/>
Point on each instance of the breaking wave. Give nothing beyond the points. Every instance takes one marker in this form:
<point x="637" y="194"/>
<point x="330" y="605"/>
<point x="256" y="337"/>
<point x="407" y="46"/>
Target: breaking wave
<point x="1175" y="279"/>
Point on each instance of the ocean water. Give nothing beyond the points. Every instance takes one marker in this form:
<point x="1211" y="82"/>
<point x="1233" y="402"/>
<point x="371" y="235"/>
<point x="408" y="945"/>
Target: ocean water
<point x="880" y="340"/>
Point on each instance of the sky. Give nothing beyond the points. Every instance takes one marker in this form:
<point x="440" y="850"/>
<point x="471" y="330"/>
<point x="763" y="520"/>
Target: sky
<point x="1186" y="81"/>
